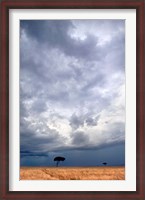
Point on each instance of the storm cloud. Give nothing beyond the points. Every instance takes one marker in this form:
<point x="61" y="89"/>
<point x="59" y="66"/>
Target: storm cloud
<point x="72" y="86"/>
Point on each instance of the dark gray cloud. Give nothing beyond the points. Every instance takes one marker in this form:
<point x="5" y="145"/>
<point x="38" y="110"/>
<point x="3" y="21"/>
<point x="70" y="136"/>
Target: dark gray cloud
<point x="79" y="138"/>
<point x="72" y="85"/>
<point x="76" y="121"/>
<point x="54" y="31"/>
<point x="90" y="121"/>
<point x="55" y="35"/>
<point x="29" y="153"/>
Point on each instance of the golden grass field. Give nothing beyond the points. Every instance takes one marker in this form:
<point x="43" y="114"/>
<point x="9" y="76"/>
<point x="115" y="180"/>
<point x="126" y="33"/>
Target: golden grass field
<point x="72" y="173"/>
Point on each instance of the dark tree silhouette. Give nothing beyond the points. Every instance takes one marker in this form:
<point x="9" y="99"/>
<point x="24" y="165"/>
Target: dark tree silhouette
<point x="104" y="163"/>
<point x="58" y="159"/>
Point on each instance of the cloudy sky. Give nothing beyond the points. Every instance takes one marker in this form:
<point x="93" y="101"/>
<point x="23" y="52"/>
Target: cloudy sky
<point x="72" y="92"/>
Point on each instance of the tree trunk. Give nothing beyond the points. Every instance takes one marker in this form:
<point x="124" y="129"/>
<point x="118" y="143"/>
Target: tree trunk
<point x="57" y="163"/>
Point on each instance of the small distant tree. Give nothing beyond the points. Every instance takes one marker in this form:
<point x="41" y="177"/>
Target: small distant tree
<point x="58" y="159"/>
<point x="104" y="163"/>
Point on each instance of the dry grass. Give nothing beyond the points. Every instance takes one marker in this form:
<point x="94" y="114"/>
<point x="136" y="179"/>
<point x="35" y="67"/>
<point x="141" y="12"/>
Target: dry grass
<point x="72" y="173"/>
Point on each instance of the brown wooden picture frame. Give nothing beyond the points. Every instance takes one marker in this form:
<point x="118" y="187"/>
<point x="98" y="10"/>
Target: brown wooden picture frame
<point x="6" y="5"/>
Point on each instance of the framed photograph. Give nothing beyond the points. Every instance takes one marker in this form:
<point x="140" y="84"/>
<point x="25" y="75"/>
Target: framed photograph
<point x="72" y="99"/>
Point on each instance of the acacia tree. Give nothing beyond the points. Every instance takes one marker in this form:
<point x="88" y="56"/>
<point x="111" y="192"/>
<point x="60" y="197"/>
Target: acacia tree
<point x="58" y="159"/>
<point x="104" y="163"/>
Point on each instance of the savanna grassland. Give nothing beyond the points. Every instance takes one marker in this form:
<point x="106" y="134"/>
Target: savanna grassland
<point x="72" y="173"/>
